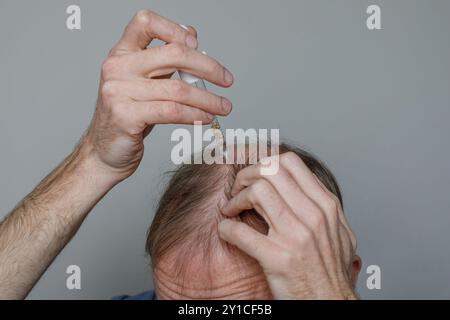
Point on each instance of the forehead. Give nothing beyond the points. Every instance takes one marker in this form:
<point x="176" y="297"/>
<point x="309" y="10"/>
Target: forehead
<point x="223" y="275"/>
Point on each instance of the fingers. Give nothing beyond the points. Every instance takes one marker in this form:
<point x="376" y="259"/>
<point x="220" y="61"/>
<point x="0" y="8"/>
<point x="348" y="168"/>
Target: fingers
<point x="147" y="25"/>
<point x="245" y="177"/>
<point x="302" y="191"/>
<point x="262" y="197"/>
<point x="178" y="54"/>
<point x="342" y="217"/>
<point x="309" y="183"/>
<point x="306" y="233"/>
<point x="168" y="112"/>
<point x="302" y="176"/>
<point x="299" y="203"/>
<point x="173" y="90"/>
<point x="248" y="240"/>
<point x="193" y="31"/>
<point x="173" y="57"/>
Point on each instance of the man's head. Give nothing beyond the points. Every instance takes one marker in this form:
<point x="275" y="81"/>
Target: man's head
<point x="188" y="257"/>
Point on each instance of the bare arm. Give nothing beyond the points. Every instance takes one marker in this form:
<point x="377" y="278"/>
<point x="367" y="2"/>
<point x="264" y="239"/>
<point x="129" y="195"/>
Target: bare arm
<point x="135" y="94"/>
<point x="42" y="224"/>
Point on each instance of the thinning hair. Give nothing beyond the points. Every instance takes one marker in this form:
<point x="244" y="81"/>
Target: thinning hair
<point x="187" y="215"/>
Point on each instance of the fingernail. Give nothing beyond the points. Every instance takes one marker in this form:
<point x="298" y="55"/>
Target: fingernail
<point x="226" y="105"/>
<point x="228" y="77"/>
<point x="191" y="42"/>
<point x="184" y="27"/>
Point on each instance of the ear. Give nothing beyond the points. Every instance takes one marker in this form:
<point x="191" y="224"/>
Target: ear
<point x="356" y="268"/>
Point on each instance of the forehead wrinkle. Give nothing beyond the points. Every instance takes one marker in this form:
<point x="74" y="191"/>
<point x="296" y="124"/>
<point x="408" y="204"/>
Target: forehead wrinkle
<point x="257" y="287"/>
<point x="233" y="278"/>
<point x="233" y="282"/>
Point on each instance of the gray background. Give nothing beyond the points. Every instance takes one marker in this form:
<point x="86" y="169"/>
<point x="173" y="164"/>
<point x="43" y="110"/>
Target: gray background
<point x="373" y="104"/>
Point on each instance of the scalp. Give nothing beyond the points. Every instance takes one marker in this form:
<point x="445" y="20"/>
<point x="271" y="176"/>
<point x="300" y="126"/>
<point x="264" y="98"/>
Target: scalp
<point x="183" y="240"/>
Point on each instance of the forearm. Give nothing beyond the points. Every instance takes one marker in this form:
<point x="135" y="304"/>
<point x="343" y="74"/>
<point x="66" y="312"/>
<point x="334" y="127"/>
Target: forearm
<point x="134" y="95"/>
<point x="35" y="232"/>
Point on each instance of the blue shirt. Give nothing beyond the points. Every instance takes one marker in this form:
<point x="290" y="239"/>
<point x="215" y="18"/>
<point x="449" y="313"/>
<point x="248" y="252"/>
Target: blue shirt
<point x="147" y="295"/>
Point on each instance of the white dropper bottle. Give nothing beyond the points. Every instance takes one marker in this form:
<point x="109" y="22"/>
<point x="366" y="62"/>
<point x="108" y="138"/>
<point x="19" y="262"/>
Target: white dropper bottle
<point x="200" y="83"/>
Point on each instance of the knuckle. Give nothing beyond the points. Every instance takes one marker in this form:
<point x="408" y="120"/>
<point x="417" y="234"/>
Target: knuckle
<point x="109" y="90"/>
<point x="290" y="157"/>
<point x="176" y="33"/>
<point x="306" y="237"/>
<point x="144" y="17"/>
<point x="178" y="88"/>
<point x="239" y="176"/>
<point x="173" y="110"/>
<point x="317" y="220"/>
<point x="260" y="190"/>
<point x="113" y="52"/>
<point x="110" y="67"/>
<point x="175" y="51"/>
<point x="286" y="261"/>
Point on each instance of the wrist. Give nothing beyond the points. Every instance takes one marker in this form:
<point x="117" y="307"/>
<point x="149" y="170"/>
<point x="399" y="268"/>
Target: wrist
<point x="88" y="165"/>
<point x="74" y="187"/>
